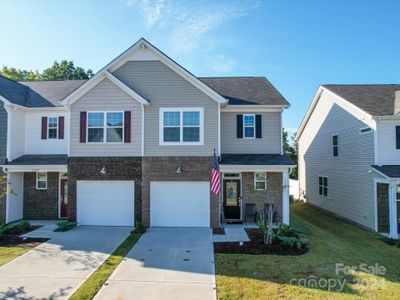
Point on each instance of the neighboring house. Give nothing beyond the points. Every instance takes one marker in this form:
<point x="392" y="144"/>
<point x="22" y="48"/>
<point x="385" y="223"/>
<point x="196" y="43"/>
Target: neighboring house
<point x="136" y="142"/>
<point x="349" y="154"/>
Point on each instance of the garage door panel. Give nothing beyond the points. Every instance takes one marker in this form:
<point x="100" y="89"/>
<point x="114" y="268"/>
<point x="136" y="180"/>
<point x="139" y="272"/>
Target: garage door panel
<point x="105" y="203"/>
<point x="178" y="204"/>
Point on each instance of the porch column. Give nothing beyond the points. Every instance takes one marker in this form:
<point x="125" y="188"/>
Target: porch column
<point x="285" y="198"/>
<point x="393" y="211"/>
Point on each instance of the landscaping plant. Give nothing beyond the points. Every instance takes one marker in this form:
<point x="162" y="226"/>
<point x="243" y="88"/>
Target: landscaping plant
<point x="65" y="226"/>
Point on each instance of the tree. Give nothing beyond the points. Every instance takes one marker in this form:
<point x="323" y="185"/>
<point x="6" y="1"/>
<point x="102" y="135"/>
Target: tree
<point x="65" y="70"/>
<point x="291" y="149"/>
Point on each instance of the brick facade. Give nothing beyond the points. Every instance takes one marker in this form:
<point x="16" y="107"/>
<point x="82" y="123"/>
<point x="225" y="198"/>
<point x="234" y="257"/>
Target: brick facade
<point x="382" y="190"/>
<point x="118" y="168"/>
<point x="164" y="169"/>
<point x="273" y="193"/>
<point x="40" y="204"/>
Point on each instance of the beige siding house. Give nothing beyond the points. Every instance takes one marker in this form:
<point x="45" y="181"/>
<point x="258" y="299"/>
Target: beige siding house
<point x="347" y="146"/>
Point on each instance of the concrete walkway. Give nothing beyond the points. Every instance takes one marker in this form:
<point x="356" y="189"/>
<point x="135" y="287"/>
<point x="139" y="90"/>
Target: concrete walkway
<point x="166" y="263"/>
<point x="55" y="269"/>
<point x="232" y="234"/>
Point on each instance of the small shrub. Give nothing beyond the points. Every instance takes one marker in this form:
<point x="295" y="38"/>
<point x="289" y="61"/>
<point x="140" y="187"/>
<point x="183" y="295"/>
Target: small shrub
<point x="140" y="228"/>
<point x="24" y="225"/>
<point x="65" y="226"/>
<point x="293" y="242"/>
<point x="285" y="230"/>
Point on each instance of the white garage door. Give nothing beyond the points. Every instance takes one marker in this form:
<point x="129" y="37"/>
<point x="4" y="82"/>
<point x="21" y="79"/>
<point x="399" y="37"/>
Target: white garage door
<point x="106" y="203"/>
<point x="180" y="204"/>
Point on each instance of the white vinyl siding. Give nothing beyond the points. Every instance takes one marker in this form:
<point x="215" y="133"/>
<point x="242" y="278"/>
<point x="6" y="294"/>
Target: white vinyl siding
<point x="351" y="184"/>
<point x="387" y="152"/>
<point x="166" y="89"/>
<point x="17" y="137"/>
<point x="270" y="143"/>
<point x="106" y="96"/>
<point x="33" y="132"/>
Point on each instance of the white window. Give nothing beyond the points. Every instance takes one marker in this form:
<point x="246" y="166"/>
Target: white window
<point x="41" y="180"/>
<point x="52" y="127"/>
<point x="323" y="186"/>
<point x="260" y="181"/>
<point x="335" y="145"/>
<point x="181" y="126"/>
<point x="249" y="126"/>
<point x="105" y="127"/>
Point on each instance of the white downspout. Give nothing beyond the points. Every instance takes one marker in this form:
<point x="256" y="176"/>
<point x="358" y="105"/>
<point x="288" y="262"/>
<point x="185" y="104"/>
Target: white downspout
<point x="285" y="198"/>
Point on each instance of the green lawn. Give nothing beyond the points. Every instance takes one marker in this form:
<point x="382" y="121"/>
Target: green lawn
<point x="7" y="254"/>
<point x="93" y="284"/>
<point x="332" y="241"/>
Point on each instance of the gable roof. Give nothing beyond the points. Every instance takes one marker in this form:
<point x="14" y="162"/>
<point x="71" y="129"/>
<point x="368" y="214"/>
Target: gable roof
<point x="374" y="99"/>
<point x="142" y="44"/>
<point x="246" y="90"/>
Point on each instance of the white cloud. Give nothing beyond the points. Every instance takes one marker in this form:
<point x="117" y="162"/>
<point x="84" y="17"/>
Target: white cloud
<point x="192" y="26"/>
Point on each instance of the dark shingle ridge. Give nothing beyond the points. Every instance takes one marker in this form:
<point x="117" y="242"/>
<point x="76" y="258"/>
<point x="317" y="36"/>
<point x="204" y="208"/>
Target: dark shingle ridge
<point x="375" y="99"/>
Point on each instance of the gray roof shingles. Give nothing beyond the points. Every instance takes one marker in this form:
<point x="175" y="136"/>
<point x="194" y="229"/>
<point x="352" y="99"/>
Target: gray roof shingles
<point x="256" y="159"/>
<point x="375" y="99"/>
<point x="246" y="90"/>
<point x="391" y="171"/>
<point x="39" y="159"/>
<point x="238" y="90"/>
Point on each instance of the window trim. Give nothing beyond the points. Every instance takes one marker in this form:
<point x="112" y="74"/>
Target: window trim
<point x="56" y="128"/>
<point x="181" y="110"/>
<point x="327" y="186"/>
<point x="264" y="181"/>
<point x="254" y="126"/>
<point x="105" y="126"/>
<point x="335" y="146"/>
<point x="37" y="181"/>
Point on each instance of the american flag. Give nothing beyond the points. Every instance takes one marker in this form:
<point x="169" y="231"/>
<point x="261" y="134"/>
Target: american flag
<point x="215" y="185"/>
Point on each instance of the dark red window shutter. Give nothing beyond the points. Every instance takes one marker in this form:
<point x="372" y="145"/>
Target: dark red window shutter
<point x="61" y="128"/>
<point x="127" y="127"/>
<point x="44" y="128"/>
<point x="239" y="126"/>
<point x="258" y="126"/>
<point x="83" y="127"/>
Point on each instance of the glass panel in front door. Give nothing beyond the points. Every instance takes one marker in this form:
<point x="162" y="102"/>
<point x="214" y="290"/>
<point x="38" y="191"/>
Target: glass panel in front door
<point x="231" y="194"/>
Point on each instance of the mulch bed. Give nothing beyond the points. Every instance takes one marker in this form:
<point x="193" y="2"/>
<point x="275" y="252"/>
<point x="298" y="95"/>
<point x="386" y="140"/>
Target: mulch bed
<point x="12" y="238"/>
<point x="14" y="241"/>
<point x="256" y="246"/>
<point x="218" y="231"/>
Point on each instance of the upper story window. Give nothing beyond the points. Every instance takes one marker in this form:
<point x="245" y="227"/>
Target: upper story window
<point x="105" y="127"/>
<point x="323" y="186"/>
<point x="249" y="126"/>
<point x="41" y="180"/>
<point x="397" y="137"/>
<point x="335" y="145"/>
<point x="52" y="128"/>
<point x="181" y="126"/>
<point x="365" y="130"/>
<point x="260" y="181"/>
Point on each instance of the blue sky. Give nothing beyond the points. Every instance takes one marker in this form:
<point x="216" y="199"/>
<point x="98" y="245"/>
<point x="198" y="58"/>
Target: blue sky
<point x="297" y="45"/>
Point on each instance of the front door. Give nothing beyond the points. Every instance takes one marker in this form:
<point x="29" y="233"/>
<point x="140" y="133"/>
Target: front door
<point x="64" y="198"/>
<point x="232" y="199"/>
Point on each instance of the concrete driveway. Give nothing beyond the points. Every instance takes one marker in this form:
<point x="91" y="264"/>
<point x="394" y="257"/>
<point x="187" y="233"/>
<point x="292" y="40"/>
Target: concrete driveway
<point x="166" y="263"/>
<point x="55" y="269"/>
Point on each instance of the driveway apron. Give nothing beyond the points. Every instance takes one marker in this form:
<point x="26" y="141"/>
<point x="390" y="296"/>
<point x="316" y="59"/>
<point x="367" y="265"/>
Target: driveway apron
<point x="55" y="269"/>
<point x="166" y="263"/>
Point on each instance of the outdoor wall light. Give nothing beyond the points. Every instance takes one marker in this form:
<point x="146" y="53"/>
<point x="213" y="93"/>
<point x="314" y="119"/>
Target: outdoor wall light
<point x="103" y="170"/>
<point x="179" y="170"/>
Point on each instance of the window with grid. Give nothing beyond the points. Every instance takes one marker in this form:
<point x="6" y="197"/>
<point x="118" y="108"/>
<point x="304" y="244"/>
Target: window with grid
<point x="249" y="126"/>
<point x="260" y="181"/>
<point x="181" y="126"/>
<point x="52" y="127"/>
<point x="105" y="127"/>
<point x="41" y="180"/>
<point x="323" y="186"/>
<point x="335" y="145"/>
